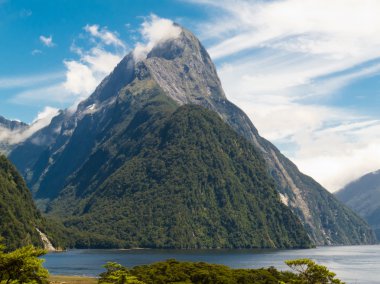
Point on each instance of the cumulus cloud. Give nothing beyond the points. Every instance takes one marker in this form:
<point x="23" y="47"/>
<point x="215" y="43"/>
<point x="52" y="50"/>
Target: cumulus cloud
<point x="85" y="73"/>
<point x="47" y="40"/>
<point x="155" y="30"/>
<point x="81" y="75"/>
<point x="79" y="78"/>
<point x="16" y="136"/>
<point x="284" y="61"/>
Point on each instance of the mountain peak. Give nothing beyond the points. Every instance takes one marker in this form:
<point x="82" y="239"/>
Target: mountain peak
<point x="175" y="69"/>
<point x="184" y="70"/>
<point x="178" y="63"/>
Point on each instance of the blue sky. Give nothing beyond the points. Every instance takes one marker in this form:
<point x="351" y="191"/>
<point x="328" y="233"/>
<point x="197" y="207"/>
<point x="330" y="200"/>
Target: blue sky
<point x="305" y="71"/>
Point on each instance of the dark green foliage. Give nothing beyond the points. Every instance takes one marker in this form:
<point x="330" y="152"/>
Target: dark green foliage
<point x="22" y="265"/>
<point x="117" y="274"/>
<point x="176" y="179"/>
<point x="18" y="215"/>
<point x="172" y="271"/>
<point x="310" y="272"/>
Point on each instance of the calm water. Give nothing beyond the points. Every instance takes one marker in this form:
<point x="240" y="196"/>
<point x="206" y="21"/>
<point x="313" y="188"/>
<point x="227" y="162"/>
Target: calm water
<point x="354" y="264"/>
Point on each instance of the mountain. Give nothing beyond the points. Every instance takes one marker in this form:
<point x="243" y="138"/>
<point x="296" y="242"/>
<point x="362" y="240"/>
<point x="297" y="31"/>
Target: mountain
<point x="6" y="128"/>
<point x="78" y="153"/>
<point x="11" y="124"/>
<point x="363" y="196"/>
<point x="19" y="217"/>
<point x="185" y="180"/>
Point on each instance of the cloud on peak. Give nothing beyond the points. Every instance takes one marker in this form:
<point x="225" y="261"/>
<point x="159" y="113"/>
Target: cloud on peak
<point x="154" y="30"/>
<point x="47" y="40"/>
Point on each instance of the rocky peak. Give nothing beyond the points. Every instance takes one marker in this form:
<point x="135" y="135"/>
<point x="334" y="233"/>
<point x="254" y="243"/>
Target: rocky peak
<point x="181" y="67"/>
<point x="184" y="70"/>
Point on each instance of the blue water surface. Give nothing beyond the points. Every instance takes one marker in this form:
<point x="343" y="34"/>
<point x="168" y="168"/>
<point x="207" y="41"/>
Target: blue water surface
<point x="353" y="264"/>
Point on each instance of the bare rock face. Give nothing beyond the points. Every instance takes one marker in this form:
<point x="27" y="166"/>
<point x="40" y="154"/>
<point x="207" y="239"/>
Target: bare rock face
<point x="184" y="71"/>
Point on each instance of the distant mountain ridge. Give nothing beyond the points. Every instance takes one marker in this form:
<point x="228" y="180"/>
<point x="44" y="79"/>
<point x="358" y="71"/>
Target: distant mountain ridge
<point x="363" y="196"/>
<point x="11" y="124"/>
<point x="8" y="126"/>
<point x="74" y="146"/>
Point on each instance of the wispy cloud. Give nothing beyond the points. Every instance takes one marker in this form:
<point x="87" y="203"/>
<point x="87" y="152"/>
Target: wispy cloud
<point x="29" y="80"/>
<point x="281" y="61"/>
<point x="47" y="40"/>
<point x="107" y="37"/>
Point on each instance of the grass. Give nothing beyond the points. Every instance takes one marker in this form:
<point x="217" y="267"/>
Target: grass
<point x="60" y="279"/>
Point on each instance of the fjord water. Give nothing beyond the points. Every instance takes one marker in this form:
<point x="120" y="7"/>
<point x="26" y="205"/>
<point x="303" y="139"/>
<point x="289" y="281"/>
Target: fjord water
<point x="353" y="264"/>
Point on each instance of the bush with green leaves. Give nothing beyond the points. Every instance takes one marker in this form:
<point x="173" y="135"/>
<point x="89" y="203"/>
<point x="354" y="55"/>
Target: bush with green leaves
<point x="22" y="265"/>
<point x="173" y="271"/>
<point x="310" y="272"/>
<point x="118" y="274"/>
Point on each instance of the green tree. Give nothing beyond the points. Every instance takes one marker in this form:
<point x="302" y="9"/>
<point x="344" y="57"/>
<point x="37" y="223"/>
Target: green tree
<point x="311" y="273"/>
<point x="118" y="274"/>
<point x="22" y="266"/>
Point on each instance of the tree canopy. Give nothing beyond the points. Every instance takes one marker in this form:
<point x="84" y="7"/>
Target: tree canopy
<point x="22" y="265"/>
<point x="306" y="271"/>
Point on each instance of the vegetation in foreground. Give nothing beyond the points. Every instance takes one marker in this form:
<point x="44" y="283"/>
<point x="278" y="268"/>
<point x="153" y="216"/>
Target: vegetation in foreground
<point x="306" y="271"/>
<point x="23" y="265"/>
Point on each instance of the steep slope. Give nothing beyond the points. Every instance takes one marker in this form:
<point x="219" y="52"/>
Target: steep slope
<point x="182" y="70"/>
<point x="186" y="180"/>
<point x="363" y="196"/>
<point x="6" y="127"/>
<point x="19" y="217"/>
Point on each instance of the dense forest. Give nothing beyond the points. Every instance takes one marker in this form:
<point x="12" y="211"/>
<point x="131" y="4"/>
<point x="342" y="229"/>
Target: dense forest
<point x="181" y="178"/>
<point x="18" y="214"/>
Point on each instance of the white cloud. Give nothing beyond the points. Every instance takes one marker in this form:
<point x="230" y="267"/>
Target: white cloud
<point x="79" y="78"/>
<point x="339" y="157"/>
<point x="154" y="31"/>
<point x="47" y="40"/>
<point x="107" y="37"/>
<point x="16" y="136"/>
<point x="84" y="74"/>
<point x="331" y="144"/>
<point x="276" y="57"/>
<point x="310" y="26"/>
<point x="51" y="94"/>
